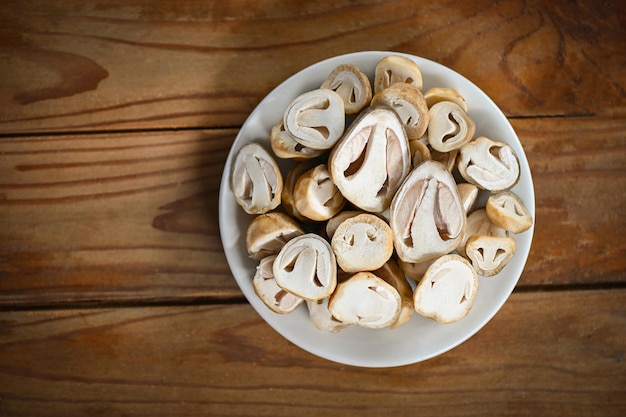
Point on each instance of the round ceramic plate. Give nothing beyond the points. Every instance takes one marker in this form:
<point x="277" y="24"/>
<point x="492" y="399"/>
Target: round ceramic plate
<point x="421" y="338"/>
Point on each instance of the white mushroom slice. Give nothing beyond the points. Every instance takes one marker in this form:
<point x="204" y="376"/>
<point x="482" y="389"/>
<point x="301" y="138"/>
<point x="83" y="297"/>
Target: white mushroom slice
<point x="316" y="119"/>
<point x="286" y="147"/>
<point x="315" y="195"/>
<point x="371" y="160"/>
<point x="414" y="270"/>
<point x="393" y="275"/>
<point x="306" y="266"/>
<point x="419" y="152"/>
<point x="362" y="243"/>
<point x="291" y="178"/>
<point x="426" y="214"/>
<point x="367" y="301"/>
<point x="507" y="211"/>
<point x="489" y="164"/>
<point x="333" y="223"/>
<point x="352" y="85"/>
<point x="265" y="287"/>
<point x="468" y="194"/>
<point x="408" y="103"/>
<point x="447" y="292"/>
<point x="268" y="233"/>
<point x="322" y="318"/>
<point x="479" y="224"/>
<point x="489" y="254"/>
<point x="436" y="94"/>
<point x="256" y="179"/>
<point x="450" y="127"/>
<point x="395" y="68"/>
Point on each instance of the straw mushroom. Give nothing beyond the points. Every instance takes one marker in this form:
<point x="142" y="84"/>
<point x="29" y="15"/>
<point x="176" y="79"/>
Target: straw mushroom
<point x="273" y="296"/>
<point x="489" y="164"/>
<point x="393" y="275"/>
<point x="409" y="104"/>
<point x="450" y="127"/>
<point x="396" y="68"/>
<point x="436" y="94"/>
<point x="315" y="196"/>
<point x="468" y="194"/>
<point x="322" y="318"/>
<point x="352" y="85"/>
<point x="268" y="233"/>
<point x="478" y="223"/>
<point x="489" y="254"/>
<point x="507" y="211"/>
<point x="285" y="146"/>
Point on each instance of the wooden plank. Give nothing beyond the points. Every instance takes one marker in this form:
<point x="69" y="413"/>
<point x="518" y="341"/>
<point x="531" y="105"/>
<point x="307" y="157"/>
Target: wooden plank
<point x="546" y="353"/>
<point x="145" y="64"/>
<point x="133" y="217"/>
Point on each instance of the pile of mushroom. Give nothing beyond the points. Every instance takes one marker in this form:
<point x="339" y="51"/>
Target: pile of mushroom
<point x="374" y="219"/>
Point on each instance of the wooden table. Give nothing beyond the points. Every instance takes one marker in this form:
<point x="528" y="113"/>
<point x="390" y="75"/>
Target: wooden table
<point x="115" y="122"/>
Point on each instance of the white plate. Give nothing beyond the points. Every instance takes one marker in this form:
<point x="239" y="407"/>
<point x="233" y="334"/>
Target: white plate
<point x="420" y="338"/>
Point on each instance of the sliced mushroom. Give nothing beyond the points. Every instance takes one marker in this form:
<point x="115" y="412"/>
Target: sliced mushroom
<point x="489" y="254"/>
<point x="415" y="270"/>
<point x="395" y="68"/>
<point x="507" y="211"/>
<point x="333" y="223"/>
<point x="436" y="94"/>
<point x="315" y="195"/>
<point x="392" y="274"/>
<point x="426" y="214"/>
<point x="256" y="179"/>
<point x="468" y="194"/>
<point x="409" y="104"/>
<point x="316" y="119"/>
<point x="371" y="160"/>
<point x="285" y="146"/>
<point x="306" y="266"/>
<point x="447" y="292"/>
<point x="489" y="164"/>
<point x="450" y="127"/>
<point x="479" y="224"/>
<point x="268" y="233"/>
<point x="352" y="85"/>
<point x="265" y="287"/>
<point x="419" y="152"/>
<point x="322" y="318"/>
<point x="367" y="301"/>
<point x="294" y="173"/>
<point x="362" y="243"/>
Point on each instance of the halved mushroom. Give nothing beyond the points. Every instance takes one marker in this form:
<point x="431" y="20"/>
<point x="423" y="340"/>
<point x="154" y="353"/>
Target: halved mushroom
<point x="479" y="224"/>
<point x="333" y="223"/>
<point x="306" y="266"/>
<point x="371" y="160"/>
<point x="315" y="195"/>
<point x="285" y="145"/>
<point x="419" y="152"/>
<point x="393" y="275"/>
<point x="268" y="233"/>
<point x="507" y="211"/>
<point x="426" y="214"/>
<point x="468" y="194"/>
<point x="367" y="301"/>
<point x="395" y="68"/>
<point x="291" y="178"/>
<point x="256" y="179"/>
<point x="409" y="104"/>
<point x="436" y="94"/>
<point x="489" y="254"/>
<point x="352" y="85"/>
<point x="316" y="119"/>
<point x="322" y="318"/>
<point x="265" y="287"/>
<point x="447" y="292"/>
<point x="489" y="164"/>
<point x="450" y="127"/>
<point x="362" y="243"/>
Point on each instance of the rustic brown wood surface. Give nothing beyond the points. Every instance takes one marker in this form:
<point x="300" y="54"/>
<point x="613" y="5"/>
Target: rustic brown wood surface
<point x="115" y="122"/>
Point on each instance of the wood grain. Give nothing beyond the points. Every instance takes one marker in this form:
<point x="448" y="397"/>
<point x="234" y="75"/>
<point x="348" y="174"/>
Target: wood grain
<point x="149" y="64"/>
<point x="547" y="354"/>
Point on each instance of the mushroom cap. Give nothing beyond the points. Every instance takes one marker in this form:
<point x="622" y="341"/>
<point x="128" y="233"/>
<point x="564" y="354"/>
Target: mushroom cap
<point x="306" y="266"/>
<point x="362" y="243"/>
<point x="426" y="214"/>
<point x="268" y="233"/>
<point x="507" y="211"/>
<point x="478" y="223"/>
<point x="256" y="179"/>
<point x="450" y="127"/>
<point x="352" y="85"/>
<point x="273" y="296"/>
<point x="285" y="146"/>
<point x="489" y="164"/>
<point x="436" y="94"/>
<point x="322" y="318"/>
<point x="394" y="68"/>
<point x="447" y="292"/>
<point x="408" y="103"/>
<point x="371" y="160"/>
<point x="316" y="119"/>
<point x="366" y="300"/>
<point x="315" y="195"/>
<point x="489" y="254"/>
